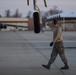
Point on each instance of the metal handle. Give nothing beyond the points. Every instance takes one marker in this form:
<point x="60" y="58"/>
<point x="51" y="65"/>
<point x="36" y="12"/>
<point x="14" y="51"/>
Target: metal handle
<point x="34" y="3"/>
<point x="45" y="3"/>
<point x="27" y="2"/>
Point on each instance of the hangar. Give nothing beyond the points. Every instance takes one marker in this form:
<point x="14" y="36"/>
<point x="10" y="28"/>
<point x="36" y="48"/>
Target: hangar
<point x="66" y="20"/>
<point x="17" y="23"/>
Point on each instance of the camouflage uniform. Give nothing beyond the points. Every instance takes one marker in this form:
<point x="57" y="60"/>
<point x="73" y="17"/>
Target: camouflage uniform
<point x="58" y="47"/>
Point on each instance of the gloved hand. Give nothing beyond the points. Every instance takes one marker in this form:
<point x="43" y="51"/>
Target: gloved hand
<point x="51" y="43"/>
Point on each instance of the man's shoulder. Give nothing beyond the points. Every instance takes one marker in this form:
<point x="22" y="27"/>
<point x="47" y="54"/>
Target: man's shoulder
<point x="59" y="28"/>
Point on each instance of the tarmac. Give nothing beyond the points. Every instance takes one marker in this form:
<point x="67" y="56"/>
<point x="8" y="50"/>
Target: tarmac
<point x="23" y="53"/>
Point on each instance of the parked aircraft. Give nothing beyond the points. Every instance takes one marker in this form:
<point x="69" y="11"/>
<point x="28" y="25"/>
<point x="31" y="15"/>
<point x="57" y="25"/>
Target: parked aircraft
<point x="37" y="19"/>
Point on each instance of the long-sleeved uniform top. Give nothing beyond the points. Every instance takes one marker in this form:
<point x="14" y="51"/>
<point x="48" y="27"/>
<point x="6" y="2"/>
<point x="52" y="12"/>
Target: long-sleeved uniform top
<point x="57" y="34"/>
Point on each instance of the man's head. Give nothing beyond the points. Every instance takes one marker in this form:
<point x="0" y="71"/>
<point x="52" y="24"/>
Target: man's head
<point x="55" y="21"/>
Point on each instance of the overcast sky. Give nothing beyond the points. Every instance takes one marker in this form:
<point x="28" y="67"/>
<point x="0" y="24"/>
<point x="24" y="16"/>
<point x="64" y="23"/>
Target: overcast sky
<point x="65" y="5"/>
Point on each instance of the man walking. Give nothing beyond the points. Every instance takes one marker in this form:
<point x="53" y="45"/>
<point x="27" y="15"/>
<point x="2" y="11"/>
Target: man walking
<point x="58" y="47"/>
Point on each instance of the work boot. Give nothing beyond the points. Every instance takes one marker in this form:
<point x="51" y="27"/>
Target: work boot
<point x="46" y="66"/>
<point x="65" y="67"/>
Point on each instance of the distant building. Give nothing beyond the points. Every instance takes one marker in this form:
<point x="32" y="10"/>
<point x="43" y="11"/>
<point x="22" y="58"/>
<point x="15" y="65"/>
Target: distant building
<point x="66" y="20"/>
<point x="17" y="23"/>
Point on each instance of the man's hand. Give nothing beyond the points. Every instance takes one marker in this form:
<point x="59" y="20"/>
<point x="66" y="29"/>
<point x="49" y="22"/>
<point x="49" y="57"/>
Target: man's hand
<point x="51" y="43"/>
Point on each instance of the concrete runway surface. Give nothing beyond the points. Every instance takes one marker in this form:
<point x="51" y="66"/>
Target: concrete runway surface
<point x="23" y="53"/>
